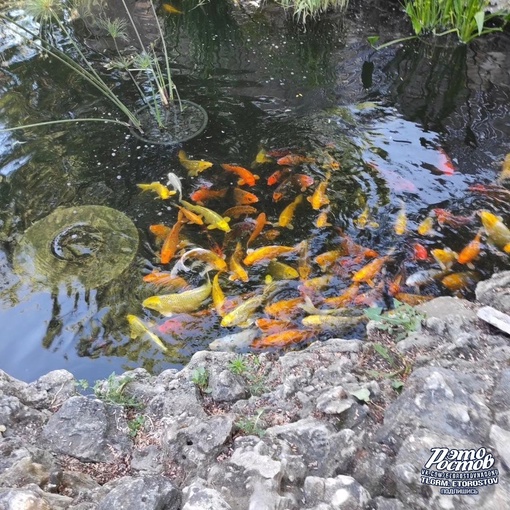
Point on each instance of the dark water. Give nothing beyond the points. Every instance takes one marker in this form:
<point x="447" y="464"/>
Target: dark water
<point x="388" y="117"/>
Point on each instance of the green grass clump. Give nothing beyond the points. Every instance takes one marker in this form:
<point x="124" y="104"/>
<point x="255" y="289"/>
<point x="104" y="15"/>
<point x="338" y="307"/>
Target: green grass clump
<point x="311" y="9"/>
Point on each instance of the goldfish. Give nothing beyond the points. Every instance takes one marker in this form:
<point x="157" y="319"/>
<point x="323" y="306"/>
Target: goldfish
<point x="295" y="182"/>
<point x="239" y="210"/>
<point x="335" y="322"/>
<point x="344" y="298"/>
<point x="280" y="271"/>
<point x="446" y="217"/>
<point x="138" y="329"/>
<point x="203" y="194"/>
<point x="191" y="216"/>
<point x="471" y="251"/>
<point x="207" y="256"/>
<point x="445" y="164"/>
<point x="266" y="253"/>
<point x="279" y="175"/>
<point x="284" y="308"/>
<point x="293" y="160"/>
<point x="412" y="299"/>
<point x="458" y="281"/>
<point x="292" y="336"/>
<point x="236" y="342"/>
<point x="193" y="167"/>
<point x="319" y="197"/>
<point x="166" y="279"/>
<point x="329" y="258"/>
<point x="506" y="248"/>
<point x="496" y="230"/>
<point x="260" y="223"/>
<point x="160" y="231"/>
<point x="420" y="252"/>
<point x="160" y="189"/>
<point x="242" y="315"/>
<point x="288" y="213"/>
<point x="400" y="226"/>
<point x="238" y="271"/>
<point x="246" y="177"/>
<point x="445" y="258"/>
<point x="322" y="220"/>
<point x="213" y="219"/>
<point x="425" y="227"/>
<point x="185" y="302"/>
<point x="175" y="182"/>
<point x="217" y="295"/>
<point x="270" y="326"/>
<point x="170" y="9"/>
<point x="363" y="220"/>
<point x="261" y="158"/>
<point x="171" y="241"/>
<point x="244" y="197"/>
<point x="505" y="169"/>
<point x="368" y="272"/>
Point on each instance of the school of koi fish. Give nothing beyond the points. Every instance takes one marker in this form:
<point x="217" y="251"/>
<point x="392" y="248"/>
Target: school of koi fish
<point x="295" y="293"/>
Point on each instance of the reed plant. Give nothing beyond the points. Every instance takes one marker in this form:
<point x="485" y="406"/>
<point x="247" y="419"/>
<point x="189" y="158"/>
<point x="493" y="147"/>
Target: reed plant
<point x="305" y="10"/>
<point x="44" y="25"/>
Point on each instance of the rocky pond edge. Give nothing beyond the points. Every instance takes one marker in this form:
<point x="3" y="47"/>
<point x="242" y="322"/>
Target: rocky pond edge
<point x="343" y="424"/>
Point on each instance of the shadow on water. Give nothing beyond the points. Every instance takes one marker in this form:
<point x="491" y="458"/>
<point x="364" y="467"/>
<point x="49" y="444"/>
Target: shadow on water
<point x="396" y="122"/>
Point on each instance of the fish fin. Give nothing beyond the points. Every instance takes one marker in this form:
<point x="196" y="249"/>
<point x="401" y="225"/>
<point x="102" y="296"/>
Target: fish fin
<point x="371" y="283"/>
<point x="241" y="182"/>
<point x="290" y="226"/>
<point x="470" y="265"/>
<point x="257" y="177"/>
<point x="192" y="173"/>
<point x="211" y="227"/>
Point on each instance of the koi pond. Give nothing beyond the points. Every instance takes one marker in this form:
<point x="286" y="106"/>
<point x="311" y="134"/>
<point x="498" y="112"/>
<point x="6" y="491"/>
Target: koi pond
<point x="344" y="178"/>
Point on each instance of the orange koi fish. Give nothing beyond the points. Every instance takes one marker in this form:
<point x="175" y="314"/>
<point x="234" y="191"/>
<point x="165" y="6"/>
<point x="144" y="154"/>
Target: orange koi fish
<point x="286" y="308"/>
<point x="270" y="326"/>
<point x="412" y="299"/>
<point x="244" y="197"/>
<point x="296" y="182"/>
<point x="170" y="9"/>
<point x="260" y="223"/>
<point x="272" y="234"/>
<point x="446" y="217"/>
<point x="288" y="213"/>
<point x="238" y="271"/>
<point x="279" y="175"/>
<point x="319" y="197"/>
<point x="194" y="167"/>
<point x="471" y="251"/>
<point x="203" y="194"/>
<point x="246" y="177"/>
<point x="160" y="231"/>
<point x="266" y="253"/>
<point x="491" y="190"/>
<point x="420" y="252"/>
<point x="172" y="239"/>
<point x="459" y="281"/>
<point x="445" y="164"/>
<point x="239" y="210"/>
<point x="425" y="227"/>
<point x="368" y="272"/>
<point x="191" y="216"/>
<point x="160" y="189"/>
<point x="345" y="298"/>
<point x="292" y="336"/>
<point x="328" y="258"/>
<point x="207" y="256"/>
<point x="166" y="279"/>
<point x="394" y="286"/>
<point x="293" y="160"/>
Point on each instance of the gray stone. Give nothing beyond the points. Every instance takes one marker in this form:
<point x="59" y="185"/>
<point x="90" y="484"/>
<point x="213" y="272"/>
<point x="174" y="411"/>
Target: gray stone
<point x="334" y="401"/>
<point x="495" y="291"/>
<point x="148" y="459"/>
<point x="88" y="430"/>
<point x="254" y="461"/>
<point x="55" y="386"/>
<point x="340" y="493"/>
<point x="146" y="493"/>
<point x="496" y="318"/>
<point x="197" y="497"/>
<point x="227" y="387"/>
<point x="381" y="503"/>
<point x="32" y="497"/>
<point x="501" y="440"/>
<point x="372" y="469"/>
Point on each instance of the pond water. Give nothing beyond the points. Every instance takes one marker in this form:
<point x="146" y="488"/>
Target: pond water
<point x="411" y="129"/>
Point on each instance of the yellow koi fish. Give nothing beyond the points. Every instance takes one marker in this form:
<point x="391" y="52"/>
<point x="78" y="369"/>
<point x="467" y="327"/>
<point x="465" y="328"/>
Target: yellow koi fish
<point x="266" y="253"/>
<point x="170" y="9"/>
<point x="288" y="213"/>
<point x="213" y="219"/>
<point x="319" y="197"/>
<point x="261" y="158"/>
<point x="242" y="315"/>
<point x="193" y="167"/>
<point x="363" y="220"/>
<point x="401" y="222"/>
<point x="160" y="189"/>
<point x="238" y="271"/>
<point x="217" y="296"/>
<point x="138" y="329"/>
<point x="445" y="258"/>
<point x="328" y="322"/>
<point x="185" y="302"/>
<point x="505" y="169"/>
<point x="496" y="230"/>
<point x="280" y="271"/>
<point x="425" y="227"/>
<point x="322" y="220"/>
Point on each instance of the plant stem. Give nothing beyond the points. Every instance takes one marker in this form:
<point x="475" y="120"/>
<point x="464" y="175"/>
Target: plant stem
<point x="63" y="121"/>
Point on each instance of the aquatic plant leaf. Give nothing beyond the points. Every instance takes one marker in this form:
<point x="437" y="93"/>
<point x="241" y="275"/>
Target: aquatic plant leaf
<point x="480" y="21"/>
<point x="362" y="394"/>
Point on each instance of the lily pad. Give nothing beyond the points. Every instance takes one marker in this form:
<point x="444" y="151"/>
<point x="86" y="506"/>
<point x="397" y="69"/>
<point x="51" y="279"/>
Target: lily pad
<point x="90" y="245"/>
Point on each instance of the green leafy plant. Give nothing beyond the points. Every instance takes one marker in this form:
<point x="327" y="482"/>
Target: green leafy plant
<point x="238" y="365"/>
<point x="399" y="322"/>
<point x="252" y="426"/>
<point x="150" y="73"/>
<point x="136" y="424"/>
<point x="311" y="9"/>
<point x="200" y="378"/>
<point x="111" y="391"/>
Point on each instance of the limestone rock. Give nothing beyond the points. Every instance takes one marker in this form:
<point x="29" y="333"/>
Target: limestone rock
<point x="340" y="493"/>
<point x="227" y="387"/>
<point x="495" y="291"/>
